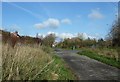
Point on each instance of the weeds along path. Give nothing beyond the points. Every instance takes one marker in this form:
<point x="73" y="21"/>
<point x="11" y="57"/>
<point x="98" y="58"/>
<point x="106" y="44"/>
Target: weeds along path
<point x="87" y="68"/>
<point x="32" y="63"/>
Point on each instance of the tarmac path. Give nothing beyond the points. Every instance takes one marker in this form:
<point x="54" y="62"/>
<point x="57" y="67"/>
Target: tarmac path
<point x="88" y="69"/>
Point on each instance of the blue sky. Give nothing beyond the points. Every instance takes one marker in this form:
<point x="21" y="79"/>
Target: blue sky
<point x="93" y="19"/>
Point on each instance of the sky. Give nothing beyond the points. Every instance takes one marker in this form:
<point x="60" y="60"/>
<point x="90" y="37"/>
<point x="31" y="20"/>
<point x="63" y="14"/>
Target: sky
<point x="65" y="19"/>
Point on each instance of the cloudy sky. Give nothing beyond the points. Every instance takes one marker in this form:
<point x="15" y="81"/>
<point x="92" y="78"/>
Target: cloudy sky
<point x="65" y="19"/>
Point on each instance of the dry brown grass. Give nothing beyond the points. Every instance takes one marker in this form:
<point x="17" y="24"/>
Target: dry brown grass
<point x="23" y="62"/>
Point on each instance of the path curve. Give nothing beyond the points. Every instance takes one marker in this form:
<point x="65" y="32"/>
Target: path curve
<point x="86" y="68"/>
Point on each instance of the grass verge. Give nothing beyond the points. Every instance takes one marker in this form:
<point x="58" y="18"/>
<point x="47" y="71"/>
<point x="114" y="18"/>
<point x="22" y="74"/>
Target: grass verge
<point x="101" y="58"/>
<point x="59" y="71"/>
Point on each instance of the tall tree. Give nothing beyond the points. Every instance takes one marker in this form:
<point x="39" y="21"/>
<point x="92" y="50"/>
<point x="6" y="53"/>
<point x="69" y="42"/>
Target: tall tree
<point x="115" y="33"/>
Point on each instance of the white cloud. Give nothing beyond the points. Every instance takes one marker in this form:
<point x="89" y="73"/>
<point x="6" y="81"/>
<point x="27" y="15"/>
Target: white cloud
<point x="51" y="22"/>
<point x="95" y="14"/>
<point x="51" y="32"/>
<point x="86" y="36"/>
<point x="62" y="35"/>
<point x="66" y="21"/>
<point x="70" y="35"/>
<point x="65" y="35"/>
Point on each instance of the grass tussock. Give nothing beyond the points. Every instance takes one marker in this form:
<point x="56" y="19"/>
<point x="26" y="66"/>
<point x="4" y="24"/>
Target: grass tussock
<point x="101" y="56"/>
<point x="32" y="63"/>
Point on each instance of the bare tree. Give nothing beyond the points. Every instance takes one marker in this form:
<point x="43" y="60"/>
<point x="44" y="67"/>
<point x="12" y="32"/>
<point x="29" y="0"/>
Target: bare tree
<point x="115" y="33"/>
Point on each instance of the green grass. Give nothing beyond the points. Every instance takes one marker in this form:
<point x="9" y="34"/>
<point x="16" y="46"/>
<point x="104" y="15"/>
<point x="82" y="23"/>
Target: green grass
<point x="64" y="71"/>
<point x="33" y="63"/>
<point x="101" y="58"/>
<point x="59" y="71"/>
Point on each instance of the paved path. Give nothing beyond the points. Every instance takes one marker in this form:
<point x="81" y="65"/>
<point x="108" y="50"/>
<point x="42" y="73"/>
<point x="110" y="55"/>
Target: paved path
<point x="88" y="69"/>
